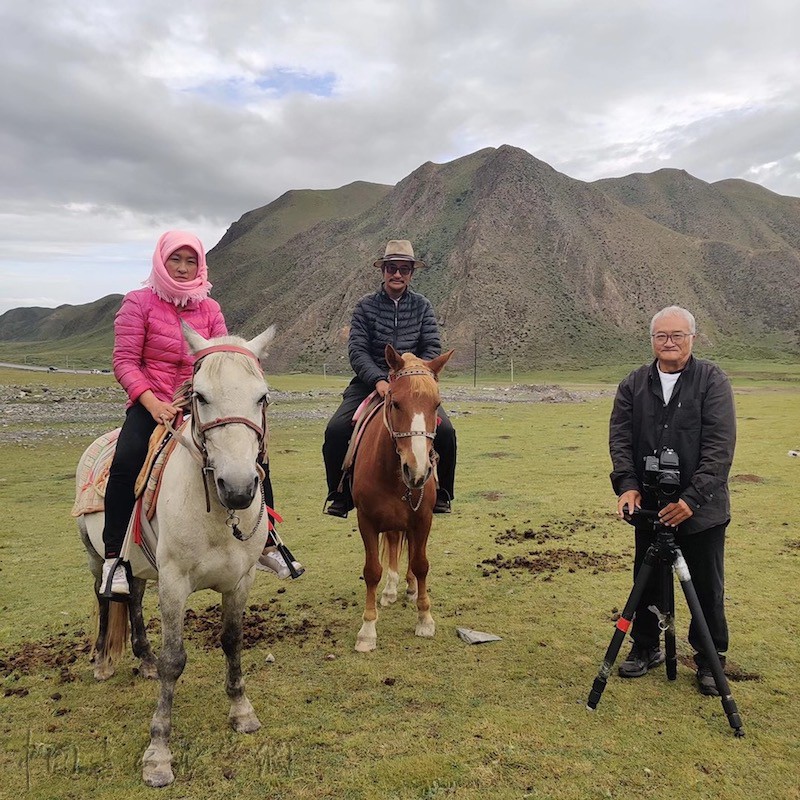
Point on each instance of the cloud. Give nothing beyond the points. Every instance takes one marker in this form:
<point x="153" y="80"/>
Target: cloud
<point x="125" y="118"/>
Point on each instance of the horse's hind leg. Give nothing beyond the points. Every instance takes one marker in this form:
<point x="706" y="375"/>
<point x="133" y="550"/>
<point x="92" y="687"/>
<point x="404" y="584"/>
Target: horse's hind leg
<point x="367" y="638"/>
<point x="242" y="717"/>
<point x="418" y="562"/>
<point x="139" y="641"/>
<point x="157" y="759"/>
<point x="391" y="544"/>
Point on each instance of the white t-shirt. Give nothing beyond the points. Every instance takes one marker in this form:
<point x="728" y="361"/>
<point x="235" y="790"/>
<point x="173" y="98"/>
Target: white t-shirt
<point x="668" y="381"/>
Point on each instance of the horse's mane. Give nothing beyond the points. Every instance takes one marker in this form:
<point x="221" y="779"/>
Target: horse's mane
<point x="418" y="384"/>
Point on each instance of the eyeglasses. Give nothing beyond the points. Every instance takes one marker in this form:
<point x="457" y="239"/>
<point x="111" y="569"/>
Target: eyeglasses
<point x="677" y="338"/>
<point x="391" y="269"/>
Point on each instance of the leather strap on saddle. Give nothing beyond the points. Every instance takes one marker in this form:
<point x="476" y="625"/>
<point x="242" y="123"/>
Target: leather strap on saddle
<point x="158" y="440"/>
<point x="364" y="413"/>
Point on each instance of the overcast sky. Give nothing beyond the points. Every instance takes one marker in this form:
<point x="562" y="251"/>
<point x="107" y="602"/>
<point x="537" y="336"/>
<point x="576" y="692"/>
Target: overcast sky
<point x="122" y="119"/>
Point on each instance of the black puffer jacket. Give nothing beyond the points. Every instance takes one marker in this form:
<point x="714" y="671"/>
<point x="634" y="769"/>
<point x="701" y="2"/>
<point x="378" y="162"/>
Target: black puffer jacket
<point x="409" y="325"/>
<point x="699" y="423"/>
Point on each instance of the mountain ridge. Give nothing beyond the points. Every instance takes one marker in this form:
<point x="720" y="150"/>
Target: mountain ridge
<point x="529" y="263"/>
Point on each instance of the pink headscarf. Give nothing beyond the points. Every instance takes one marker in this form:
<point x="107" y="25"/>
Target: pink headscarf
<point x="179" y="293"/>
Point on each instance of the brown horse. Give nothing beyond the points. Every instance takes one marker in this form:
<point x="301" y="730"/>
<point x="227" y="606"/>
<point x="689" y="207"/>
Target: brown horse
<point x="392" y="490"/>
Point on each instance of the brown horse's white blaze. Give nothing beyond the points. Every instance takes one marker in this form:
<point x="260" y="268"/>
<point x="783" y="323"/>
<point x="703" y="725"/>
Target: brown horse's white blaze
<point x="393" y="491"/>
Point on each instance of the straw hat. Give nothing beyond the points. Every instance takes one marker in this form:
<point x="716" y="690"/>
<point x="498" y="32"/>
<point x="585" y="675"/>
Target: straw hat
<point x="399" y="250"/>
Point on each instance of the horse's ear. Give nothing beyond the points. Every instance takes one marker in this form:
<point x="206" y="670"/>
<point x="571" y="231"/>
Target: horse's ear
<point x="193" y="338"/>
<point x="393" y="358"/>
<point x="435" y="365"/>
<point x="258" y="346"/>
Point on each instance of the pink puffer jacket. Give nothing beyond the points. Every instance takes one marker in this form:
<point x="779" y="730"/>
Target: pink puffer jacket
<point x="149" y="349"/>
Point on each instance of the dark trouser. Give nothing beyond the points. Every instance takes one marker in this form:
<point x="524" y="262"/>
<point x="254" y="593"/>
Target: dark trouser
<point x="704" y="553"/>
<point x="340" y="427"/>
<point x="129" y="457"/>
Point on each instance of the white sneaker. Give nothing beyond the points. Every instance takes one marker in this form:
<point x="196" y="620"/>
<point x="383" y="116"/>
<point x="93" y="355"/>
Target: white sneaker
<point x="119" y="585"/>
<point x="272" y="561"/>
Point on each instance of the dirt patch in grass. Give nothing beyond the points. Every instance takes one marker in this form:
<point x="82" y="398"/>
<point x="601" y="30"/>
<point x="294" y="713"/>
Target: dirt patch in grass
<point x="514" y="536"/>
<point x="733" y="671"/>
<point x="265" y="622"/>
<point x="747" y="478"/>
<point x="497" y="454"/>
<point x="791" y="546"/>
<point x="492" y="496"/>
<point x="56" y="653"/>
<point x="262" y="623"/>
<point x="551" y="561"/>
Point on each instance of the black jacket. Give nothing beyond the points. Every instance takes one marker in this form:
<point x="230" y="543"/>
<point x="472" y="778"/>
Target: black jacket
<point x="699" y="423"/>
<point x="409" y="325"/>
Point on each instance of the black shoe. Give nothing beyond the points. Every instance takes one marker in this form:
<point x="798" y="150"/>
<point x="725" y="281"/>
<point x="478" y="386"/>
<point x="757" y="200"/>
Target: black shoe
<point x="639" y="660"/>
<point x="706" y="683"/>
<point x="442" y="505"/>
<point x="339" y="505"/>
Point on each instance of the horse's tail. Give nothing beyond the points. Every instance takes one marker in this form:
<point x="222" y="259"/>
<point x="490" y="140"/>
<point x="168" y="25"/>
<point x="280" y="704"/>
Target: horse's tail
<point x="391" y="545"/>
<point x="117" y="634"/>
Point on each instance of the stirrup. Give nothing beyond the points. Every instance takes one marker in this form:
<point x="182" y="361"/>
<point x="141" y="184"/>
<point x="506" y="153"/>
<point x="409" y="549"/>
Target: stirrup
<point x="105" y="591"/>
<point x="286" y="554"/>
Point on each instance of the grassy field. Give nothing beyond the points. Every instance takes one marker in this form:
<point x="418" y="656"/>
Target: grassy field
<point x="422" y="718"/>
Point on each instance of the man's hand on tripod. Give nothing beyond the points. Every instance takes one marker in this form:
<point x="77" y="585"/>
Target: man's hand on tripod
<point x="628" y="502"/>
<point x="675" y="513"/>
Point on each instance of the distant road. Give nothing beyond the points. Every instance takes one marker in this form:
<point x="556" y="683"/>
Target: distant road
<point x="33" y="368"/>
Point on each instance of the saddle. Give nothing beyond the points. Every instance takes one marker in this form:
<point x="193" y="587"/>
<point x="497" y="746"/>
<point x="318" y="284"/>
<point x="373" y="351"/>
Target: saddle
<point x="362" y="415"/>
<point x="90" y="490"/>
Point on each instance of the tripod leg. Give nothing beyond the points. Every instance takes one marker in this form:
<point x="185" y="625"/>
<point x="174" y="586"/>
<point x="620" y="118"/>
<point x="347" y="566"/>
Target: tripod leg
<point x="709" y="650"/>
<point x="669" y="625"/>
<point x="623" y="624"/>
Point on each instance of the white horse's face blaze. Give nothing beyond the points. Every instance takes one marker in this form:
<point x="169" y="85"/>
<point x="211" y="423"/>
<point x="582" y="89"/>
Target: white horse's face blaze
<point x="414" y="412"/>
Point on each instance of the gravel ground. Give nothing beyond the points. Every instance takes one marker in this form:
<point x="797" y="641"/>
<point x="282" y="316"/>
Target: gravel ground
<point x="32" y="412"/>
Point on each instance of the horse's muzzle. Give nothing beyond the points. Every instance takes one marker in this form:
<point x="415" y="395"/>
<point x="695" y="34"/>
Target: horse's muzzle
<point x="415" y="481"/>
<point x="236" y="497"/>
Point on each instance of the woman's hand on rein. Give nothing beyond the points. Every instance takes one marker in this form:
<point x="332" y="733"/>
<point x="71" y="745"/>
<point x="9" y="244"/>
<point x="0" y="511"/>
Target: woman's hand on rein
<point x="160" y="411"/>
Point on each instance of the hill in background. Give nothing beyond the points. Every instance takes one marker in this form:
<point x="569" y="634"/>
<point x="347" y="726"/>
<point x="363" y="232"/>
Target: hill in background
<point x="523" y="261"/>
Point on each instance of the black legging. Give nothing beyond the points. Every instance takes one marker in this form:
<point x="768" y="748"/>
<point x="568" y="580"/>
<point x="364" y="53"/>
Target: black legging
<point x="340" y="427"/>
<point x="129" y="457"/>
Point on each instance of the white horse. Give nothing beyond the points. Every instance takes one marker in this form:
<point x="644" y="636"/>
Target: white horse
<point x="211" y="524"/>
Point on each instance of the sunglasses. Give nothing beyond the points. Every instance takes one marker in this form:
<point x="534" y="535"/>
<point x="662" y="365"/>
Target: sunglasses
<point x="391" y="269"/>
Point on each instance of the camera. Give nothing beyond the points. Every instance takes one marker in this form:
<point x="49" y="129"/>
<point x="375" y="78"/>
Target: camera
<point x="662" y="476"/>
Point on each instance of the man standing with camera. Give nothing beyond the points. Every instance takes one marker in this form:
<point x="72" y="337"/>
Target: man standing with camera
<point x="684" y="404"/>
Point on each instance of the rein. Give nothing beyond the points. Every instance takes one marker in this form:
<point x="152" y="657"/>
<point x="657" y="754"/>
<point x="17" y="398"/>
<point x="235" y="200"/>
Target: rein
<point x="198" y="431"/>
<point x="387" y="421"/>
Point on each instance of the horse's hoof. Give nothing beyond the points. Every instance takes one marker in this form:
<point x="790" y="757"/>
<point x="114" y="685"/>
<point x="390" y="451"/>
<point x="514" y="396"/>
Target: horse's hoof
<point x="366" y="644"/>
<point x="149" y="670"/>
<point x="102" y="672"/>
<point x="156" y="771"/>
<point x="246" y="724"/>
<point x="388" y="598"/>
<point x="426" y="629"/>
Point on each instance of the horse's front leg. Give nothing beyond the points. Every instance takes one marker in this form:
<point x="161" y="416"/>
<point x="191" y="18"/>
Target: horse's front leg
<point x="367" y="638"/>
<point x="242" y="717"/>
<point x="157" y="759"/>
<point x="140" y="644"/>
<point x="392" y="541"/>
<point x="418" y="563"/>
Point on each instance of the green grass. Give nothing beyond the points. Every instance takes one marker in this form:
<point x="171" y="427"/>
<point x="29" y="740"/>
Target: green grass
<point x="424" y="718"/>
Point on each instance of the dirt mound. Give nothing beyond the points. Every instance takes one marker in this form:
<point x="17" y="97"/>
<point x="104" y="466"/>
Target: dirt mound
<point x="551" y="561"/>
<point x="57" y="653"/>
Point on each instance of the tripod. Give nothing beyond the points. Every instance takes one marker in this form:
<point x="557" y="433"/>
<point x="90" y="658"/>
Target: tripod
<point x="665" y="554"/>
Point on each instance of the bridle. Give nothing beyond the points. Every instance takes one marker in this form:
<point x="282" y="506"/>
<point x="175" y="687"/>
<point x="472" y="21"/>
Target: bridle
<point x="387" y="421"/>
<point x="199" y="430"/>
